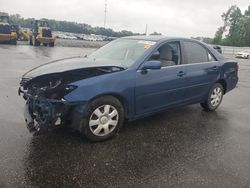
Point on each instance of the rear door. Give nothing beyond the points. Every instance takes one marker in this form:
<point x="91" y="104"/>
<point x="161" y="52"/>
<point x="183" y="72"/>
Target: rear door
<point x="202" y="70"/>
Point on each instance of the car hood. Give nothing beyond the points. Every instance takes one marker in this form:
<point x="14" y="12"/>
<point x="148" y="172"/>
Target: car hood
<point x="66" y="71"/>
<point x="67" y="64"/>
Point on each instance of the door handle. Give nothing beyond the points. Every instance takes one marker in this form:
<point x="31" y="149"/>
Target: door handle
<point x="214" y="68"/>
<point x="181" y="73"/>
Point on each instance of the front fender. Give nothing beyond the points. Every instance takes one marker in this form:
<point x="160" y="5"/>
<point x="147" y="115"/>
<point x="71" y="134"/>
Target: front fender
<point x="120" y="84"/>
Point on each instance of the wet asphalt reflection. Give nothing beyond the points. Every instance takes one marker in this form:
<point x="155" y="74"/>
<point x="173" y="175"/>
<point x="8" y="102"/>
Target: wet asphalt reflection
<point x="183" y="147"/>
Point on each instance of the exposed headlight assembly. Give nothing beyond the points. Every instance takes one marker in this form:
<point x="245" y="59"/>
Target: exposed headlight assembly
<point x="60" y="92"/>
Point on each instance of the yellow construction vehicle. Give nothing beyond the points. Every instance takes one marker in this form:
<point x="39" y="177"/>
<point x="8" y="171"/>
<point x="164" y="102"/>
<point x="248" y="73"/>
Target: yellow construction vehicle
<point x="41" y="34"/>
<point x="7" y="33"/>
<point x="24" y="34"/>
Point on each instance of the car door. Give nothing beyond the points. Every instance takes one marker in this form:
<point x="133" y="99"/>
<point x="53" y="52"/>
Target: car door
<point x="202" y="70"/>
<point x="158" y="89"/>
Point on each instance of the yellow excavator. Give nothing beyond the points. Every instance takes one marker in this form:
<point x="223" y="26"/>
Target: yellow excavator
<point x="24" y="34"/>
<point x="7" y="33"/>
<point x="41" y="34"/>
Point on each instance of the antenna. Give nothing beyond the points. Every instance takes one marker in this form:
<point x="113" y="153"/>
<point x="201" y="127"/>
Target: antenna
<point x="105" y="13"/>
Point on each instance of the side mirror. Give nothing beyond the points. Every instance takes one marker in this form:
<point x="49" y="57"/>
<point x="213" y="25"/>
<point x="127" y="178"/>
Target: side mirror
<point x="154" y="65"/>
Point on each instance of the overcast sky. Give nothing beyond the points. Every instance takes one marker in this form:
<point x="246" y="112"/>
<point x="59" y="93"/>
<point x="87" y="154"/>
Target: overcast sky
<point x="170" y="17"/>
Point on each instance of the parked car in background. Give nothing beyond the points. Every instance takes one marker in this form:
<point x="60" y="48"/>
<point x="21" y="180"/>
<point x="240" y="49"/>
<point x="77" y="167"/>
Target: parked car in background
<point x="243" y="54"/>
<point x="129" y="78"/>
<point x="217" y="48"/>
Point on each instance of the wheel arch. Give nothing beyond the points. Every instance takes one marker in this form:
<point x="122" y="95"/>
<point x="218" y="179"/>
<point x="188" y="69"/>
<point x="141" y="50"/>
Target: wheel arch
<point x="224" y="84"/>
<point x="119" y="97"/>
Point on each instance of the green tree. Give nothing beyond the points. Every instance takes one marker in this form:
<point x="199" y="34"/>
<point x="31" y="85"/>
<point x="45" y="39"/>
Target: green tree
<point x="72" y="27"/>
<point x="231" y="19"/>
<point x="236" y="27"/>
<point x="247" y="12"/>
<point x="219" y="35"/>
<point x="155" y="33"/>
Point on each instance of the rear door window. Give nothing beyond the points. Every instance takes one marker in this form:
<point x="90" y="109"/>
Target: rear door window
<point x="195" y="53"/>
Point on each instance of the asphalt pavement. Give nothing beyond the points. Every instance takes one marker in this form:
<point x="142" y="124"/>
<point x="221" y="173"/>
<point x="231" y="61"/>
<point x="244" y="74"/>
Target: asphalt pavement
<point x="183" y="147"/>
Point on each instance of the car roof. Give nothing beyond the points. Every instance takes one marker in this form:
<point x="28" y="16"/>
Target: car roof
<point x="155" y="38"/>
<point x="162" y="38"/>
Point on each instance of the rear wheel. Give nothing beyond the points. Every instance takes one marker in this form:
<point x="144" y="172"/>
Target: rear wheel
<point x="214" y="99"/>
<point x="104" y="118"/>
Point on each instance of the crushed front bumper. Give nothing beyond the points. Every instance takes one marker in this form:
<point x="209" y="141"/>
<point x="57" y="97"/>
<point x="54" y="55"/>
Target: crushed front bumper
<point x="43" y="115"/>
<point x="46" y="115"/>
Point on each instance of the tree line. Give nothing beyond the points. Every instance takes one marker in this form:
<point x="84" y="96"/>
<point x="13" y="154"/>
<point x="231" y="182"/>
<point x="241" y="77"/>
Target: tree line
<point x="72" y="27"/>
<point x="236" y="28"/>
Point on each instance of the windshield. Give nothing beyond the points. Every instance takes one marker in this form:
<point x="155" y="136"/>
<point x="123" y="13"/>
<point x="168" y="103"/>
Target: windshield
<point x="122" y="52"/>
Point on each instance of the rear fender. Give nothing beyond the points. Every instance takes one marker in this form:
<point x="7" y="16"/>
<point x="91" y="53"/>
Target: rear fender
<point x="229" y="74"/>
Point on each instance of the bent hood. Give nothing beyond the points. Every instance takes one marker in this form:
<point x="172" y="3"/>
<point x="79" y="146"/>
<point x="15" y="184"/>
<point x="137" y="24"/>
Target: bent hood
<point x="67" y="64"/>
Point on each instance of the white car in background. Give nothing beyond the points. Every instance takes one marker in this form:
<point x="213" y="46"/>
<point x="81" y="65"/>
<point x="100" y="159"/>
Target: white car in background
<point x="244" y="54"/>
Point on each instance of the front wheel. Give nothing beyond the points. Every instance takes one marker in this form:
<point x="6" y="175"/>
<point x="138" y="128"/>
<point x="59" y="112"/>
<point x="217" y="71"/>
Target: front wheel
<point x="104" y="118"/>
<point x="214" y="98"/>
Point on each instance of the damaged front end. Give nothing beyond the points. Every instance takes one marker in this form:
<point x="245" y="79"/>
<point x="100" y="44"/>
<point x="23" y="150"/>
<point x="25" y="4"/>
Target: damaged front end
<point x="46" y="108"/>
<point x="42" y="115"/>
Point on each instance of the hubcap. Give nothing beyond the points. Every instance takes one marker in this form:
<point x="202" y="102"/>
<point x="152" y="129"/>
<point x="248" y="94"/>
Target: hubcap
<point x="103" y="120"/>
<point x="216" y="96"/>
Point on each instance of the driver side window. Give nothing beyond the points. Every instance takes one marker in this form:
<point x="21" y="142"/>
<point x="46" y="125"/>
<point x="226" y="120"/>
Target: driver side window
<point x="169" y="54"/>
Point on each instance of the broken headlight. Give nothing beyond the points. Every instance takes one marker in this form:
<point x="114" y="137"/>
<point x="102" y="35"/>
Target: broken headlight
<point x="59" y="92"/>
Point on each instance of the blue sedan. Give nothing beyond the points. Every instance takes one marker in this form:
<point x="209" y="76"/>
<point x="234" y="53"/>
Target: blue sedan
<point x="127" y="79"/>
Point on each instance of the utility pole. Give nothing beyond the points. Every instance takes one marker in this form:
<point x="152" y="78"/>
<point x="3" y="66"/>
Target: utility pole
<point x="146" y="29"/>
<point x="105" y="13"/>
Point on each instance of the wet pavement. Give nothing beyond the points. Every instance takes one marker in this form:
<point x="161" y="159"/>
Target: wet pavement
<point x="184" y="147"/>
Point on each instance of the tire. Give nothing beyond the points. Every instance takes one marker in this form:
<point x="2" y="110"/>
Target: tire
<point x="13" y="42"/>
<point x="214" y="98"/>
<point x="103" y="119"/>
<point x="52" y="44"/>
<point x="30" y="41"/>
